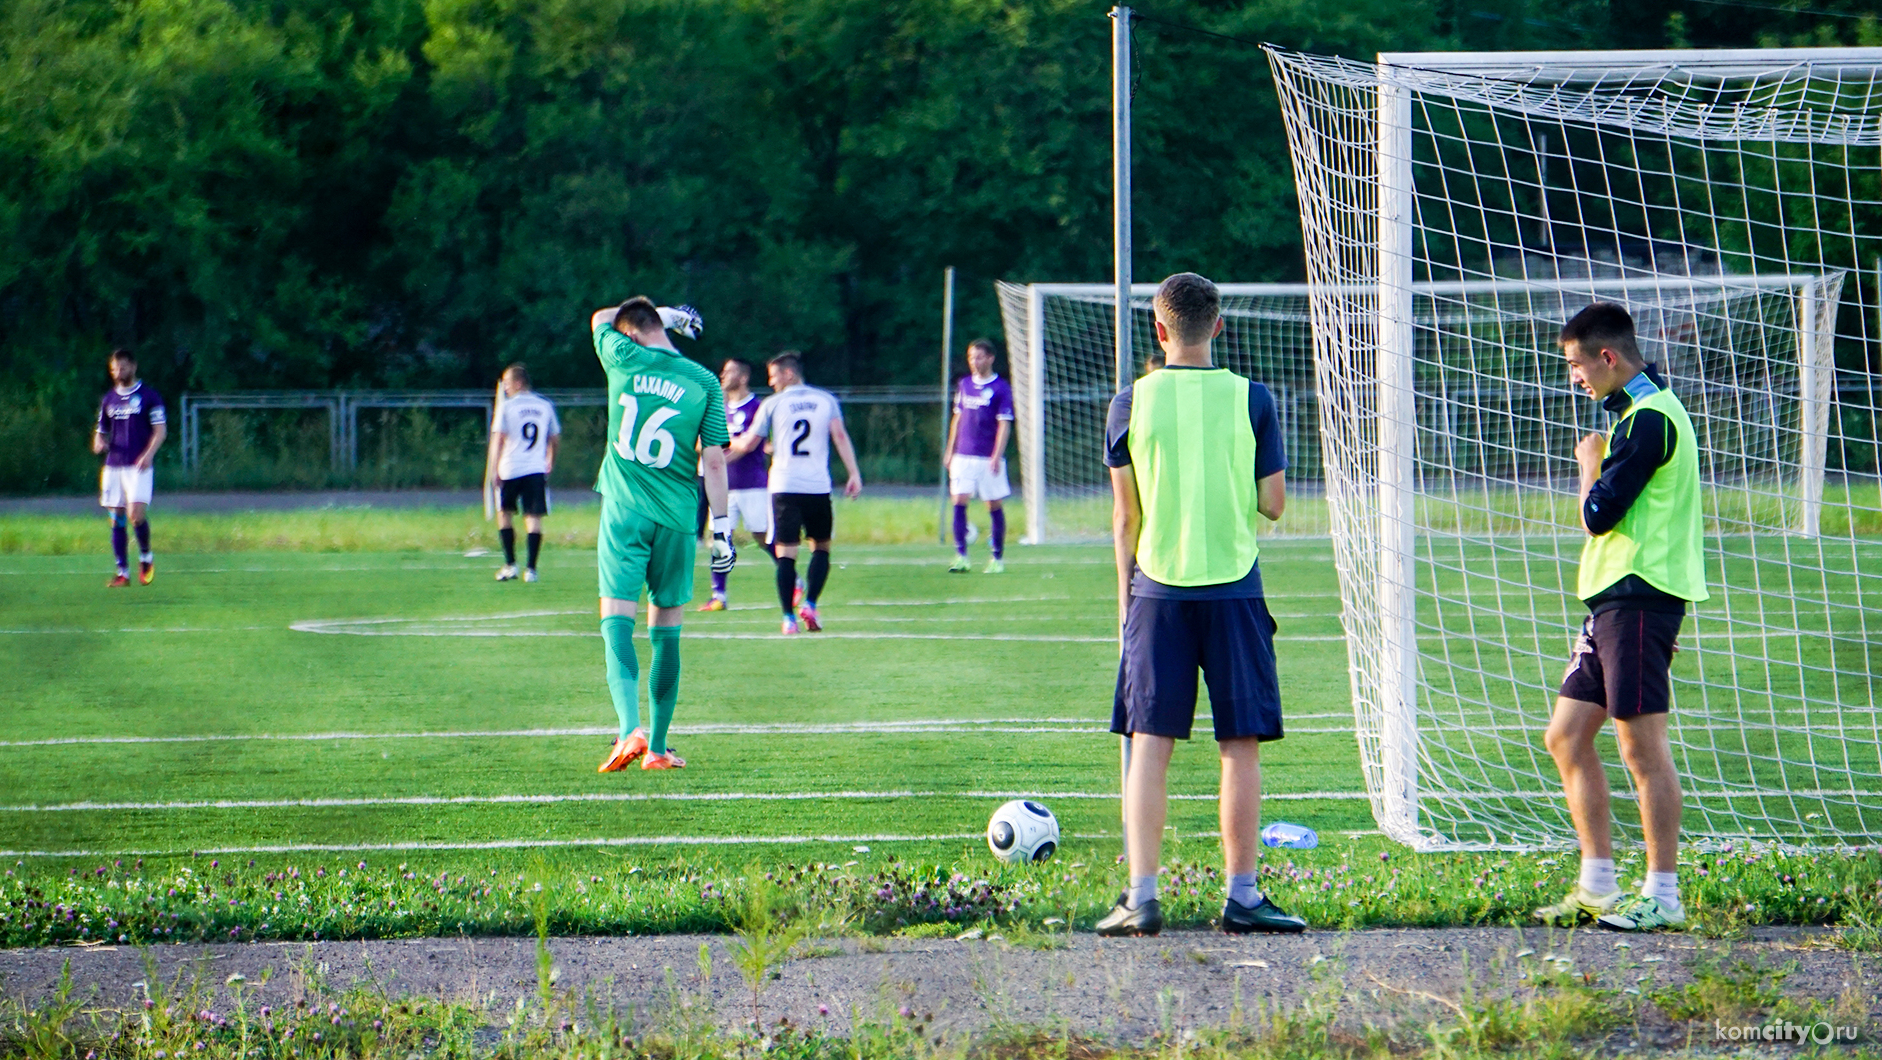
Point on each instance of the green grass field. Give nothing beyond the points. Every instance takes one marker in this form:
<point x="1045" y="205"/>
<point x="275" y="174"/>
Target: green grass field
<point x="439" y="683"/>
<point x="258" y="716"/>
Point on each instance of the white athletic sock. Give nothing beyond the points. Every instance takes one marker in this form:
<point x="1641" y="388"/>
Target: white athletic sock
<point x="1143" y="889"/>
<point x="146" y="557"/>
<point x="1665" y="887"/>
<point x="1242" y="890"/>
<point x="1597" y="876"/>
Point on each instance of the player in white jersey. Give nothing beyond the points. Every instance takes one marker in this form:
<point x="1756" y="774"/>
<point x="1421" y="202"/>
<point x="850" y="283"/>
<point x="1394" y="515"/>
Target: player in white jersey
<point x="802" y="422"/>
<point x="523" y="440"/>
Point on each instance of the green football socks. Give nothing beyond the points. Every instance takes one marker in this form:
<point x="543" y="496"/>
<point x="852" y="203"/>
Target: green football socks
<point x="663" y="683"/>
<point x="624" y="670"/>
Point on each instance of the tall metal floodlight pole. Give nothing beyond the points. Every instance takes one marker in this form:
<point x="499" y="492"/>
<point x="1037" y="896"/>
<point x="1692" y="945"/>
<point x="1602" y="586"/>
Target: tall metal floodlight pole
<point x="947" y="346"/>
<point x="1121" y="236"/>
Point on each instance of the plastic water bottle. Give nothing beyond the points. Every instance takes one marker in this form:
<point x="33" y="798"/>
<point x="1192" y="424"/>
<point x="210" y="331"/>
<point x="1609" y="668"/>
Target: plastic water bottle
<point x="1291" y="836"/>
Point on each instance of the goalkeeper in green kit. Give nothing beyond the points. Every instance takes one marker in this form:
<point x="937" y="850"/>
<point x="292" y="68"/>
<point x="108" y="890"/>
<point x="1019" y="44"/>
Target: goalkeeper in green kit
<point x="666" y="426"/>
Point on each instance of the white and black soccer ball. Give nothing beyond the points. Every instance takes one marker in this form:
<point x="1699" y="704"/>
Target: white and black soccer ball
<point x="1022" y="831"/>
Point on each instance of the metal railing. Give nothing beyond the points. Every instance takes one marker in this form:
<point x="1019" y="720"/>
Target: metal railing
<point x="343" y="408"/>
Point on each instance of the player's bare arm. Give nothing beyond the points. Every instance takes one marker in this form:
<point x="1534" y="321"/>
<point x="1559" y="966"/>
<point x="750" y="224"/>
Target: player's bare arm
<point x="99" y="441"/>
<point x="158" y="432"/>
<point x="1271" y="495"/>
<point x="954" y="429"/>
<point x="743" y="444"/>
<point x="1000" y="435"/>
<point x="712" y="467"/>
<point x="840" y="437"/>
<point x="548" y="453"/>
<point x="1127" y="520"/>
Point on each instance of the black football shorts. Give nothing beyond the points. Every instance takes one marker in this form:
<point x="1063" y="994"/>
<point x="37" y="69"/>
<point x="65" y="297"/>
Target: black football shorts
<point x="530" y="491"/>
<point x="795" y="516"/>
<point x="1167" y="643"/>
<point x="1623" y="661"/>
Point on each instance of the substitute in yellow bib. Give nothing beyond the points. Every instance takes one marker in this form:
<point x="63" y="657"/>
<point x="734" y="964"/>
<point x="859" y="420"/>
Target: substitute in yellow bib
<point x="1640" y="567"/>
<point x="1196" y="459"/>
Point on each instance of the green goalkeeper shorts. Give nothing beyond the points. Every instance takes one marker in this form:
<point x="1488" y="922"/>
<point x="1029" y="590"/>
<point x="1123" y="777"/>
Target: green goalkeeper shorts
<point x="633" y="550"/>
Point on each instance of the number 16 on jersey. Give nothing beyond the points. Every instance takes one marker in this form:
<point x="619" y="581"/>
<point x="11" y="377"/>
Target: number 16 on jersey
<point x="655" y="446"/>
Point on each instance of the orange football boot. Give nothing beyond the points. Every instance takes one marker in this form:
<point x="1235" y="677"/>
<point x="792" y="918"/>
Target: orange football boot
<point x="118" y="582"/>
<point x="714" y="604"/>
<point x="670" y="760"/>
<point x="625" y="751"/>
<point x="146" y="573"/>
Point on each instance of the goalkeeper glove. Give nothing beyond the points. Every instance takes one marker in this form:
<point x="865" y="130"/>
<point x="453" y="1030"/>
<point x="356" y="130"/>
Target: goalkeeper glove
<point x="683" y="319"/>
<point x="724" y="556"/>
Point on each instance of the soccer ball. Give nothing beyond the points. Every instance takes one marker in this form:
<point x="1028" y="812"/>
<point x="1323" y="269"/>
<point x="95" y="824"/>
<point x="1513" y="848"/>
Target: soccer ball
<point x="1022" y="831"/>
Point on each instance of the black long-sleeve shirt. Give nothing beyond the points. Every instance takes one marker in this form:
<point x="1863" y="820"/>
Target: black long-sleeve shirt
<point x="1640" y="446"/>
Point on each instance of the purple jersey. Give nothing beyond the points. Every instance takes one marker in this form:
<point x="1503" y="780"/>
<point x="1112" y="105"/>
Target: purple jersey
<point x="747" y="472"/>
<point x="981" y="407"/>
<point x="127" y="421"/>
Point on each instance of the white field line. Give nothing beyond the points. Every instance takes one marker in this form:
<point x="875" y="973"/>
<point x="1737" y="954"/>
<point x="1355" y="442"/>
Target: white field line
<point x="685" y="732"/>
<point x="452" y="627"/>
<point x="510" y="844"/>
<point x="606" y="797"/>
<point x="137" y="629"/>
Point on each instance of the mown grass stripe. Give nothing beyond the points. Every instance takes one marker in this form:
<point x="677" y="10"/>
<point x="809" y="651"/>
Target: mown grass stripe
<point x="605" y="796"/>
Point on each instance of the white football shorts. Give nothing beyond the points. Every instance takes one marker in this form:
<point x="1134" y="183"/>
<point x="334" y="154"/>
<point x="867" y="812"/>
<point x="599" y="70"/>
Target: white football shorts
<point x="121" y="487"/>
<point x="752" y="508"/>
<point x="970" y="476"/>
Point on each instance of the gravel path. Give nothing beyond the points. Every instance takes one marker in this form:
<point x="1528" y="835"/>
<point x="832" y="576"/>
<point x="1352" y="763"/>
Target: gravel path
<point x="1128" y="989"/>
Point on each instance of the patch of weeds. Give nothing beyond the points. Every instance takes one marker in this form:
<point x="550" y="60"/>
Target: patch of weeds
<point x="929" y="931"/>
<point x="45" y="1032"/>
<point x="1863" y="933"/>
<point x="1038" y="938"/>
<point x="1718" y="992"/>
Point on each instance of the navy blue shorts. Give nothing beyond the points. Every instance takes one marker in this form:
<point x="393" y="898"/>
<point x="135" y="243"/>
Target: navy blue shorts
<point x="1167" y="642"/>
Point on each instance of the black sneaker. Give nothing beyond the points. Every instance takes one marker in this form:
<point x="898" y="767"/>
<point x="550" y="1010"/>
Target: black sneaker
<point x="1264" y="916"/>
<point x="1146" y="919"/>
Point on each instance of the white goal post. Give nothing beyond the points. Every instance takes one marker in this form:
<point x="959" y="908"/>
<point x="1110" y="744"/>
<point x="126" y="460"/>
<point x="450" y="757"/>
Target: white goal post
<point x="1456" y="208"/>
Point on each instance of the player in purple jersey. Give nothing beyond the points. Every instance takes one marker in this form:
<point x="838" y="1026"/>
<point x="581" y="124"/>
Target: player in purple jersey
<point x="747" y="500"/>
<point x="975" y="456"/>
<point x="130" y="429"/>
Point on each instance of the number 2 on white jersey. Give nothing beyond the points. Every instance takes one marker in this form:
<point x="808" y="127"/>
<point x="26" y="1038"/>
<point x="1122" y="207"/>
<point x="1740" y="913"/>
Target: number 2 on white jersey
<point x="656" y="445"/>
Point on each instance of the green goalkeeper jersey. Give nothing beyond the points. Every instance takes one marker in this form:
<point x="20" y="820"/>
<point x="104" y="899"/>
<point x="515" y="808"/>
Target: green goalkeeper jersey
<point x="659" y="405"/>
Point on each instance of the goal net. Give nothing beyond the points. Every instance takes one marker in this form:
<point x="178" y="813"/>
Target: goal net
<point x="1064" y="367"/>
<point x="1456" y="210"/>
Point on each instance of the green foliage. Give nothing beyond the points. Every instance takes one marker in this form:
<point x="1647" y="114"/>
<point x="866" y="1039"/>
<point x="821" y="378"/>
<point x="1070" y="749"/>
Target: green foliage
<point x="412" y="192"/>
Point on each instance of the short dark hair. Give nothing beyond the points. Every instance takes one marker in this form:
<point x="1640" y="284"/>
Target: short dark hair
<point x="123" y="354"/>
<point x="1188" y="305"/>
<point x="1603" y="325"/>
<point x="638" y="314"/>
<point x="1153" y="361"/>
<point x="983" y="344"/>
<point x="521" y="373"/>
<point x="790" y="360"/>
<point x="743" y="364"/>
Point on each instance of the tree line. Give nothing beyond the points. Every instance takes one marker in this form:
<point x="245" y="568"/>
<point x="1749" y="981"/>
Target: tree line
<point x="362" y="193"/>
